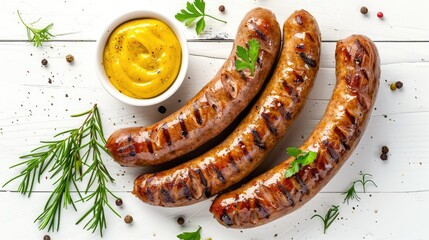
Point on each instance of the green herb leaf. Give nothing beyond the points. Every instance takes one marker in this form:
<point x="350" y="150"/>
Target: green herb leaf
<point x="301" y="159"/>
<point x="351" y="192"/>
<point x="246" y="58"/>
<point x="35" y="35"/>
<point x="293" y="151"/>
<point x="190" y="235"/>
<point x="329" y="218"/>
<point x="194" y="11"/>
<point x="64" y="160"/>
<point x="201" y="24"/>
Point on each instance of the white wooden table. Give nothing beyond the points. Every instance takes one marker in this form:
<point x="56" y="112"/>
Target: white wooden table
<point x="33" y="109"/>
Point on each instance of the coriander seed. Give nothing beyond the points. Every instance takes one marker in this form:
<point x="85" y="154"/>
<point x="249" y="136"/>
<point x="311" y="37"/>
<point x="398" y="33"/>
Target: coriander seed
<point x="364" y="10"/>
<point x="46" y="237"/>
<point x="393" y="86"/>
<point x="384" y="149"/>
<point x="399" y="84"/>
<point x="221" y="8"/>
<point x="118" y="202"/>
<point x="128" y="219"/>
<point x="44" y="62"/>
<point x="180" y="221"/>
<point x="383" y="156"/>
<point x="69" y="58"/>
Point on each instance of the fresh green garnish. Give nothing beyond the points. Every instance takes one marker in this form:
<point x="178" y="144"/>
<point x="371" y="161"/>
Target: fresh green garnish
<point x="190" y="235"/>
<point x="329" y="218"/>
<point x="195" y="10"/>
<point x="64" y="160"/>
<point x="301" y="159"/>
<point x="246" y="58"/>
<point x="351" y="192"/>
<point x="35" y="35"/>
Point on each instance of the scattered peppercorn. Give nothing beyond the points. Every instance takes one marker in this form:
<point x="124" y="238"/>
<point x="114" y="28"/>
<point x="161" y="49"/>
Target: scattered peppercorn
<point x="162" y="109"/>
<point x="119" y="202"/>
<point x="69" y="58"/>
<point x="393" y="86"/>
<point x="44" y="62"/>
<point x="128" y="219"/>
<point x="380" y="15"/>
<point x="383" y="156"/>
<point x="46" y="237"/>
<point x="364" y="10"/>
<point x="180" y="221"/>
<point x="222" y="8"/>
<point x="399" y="84"/>
<point x="384" y="149"/>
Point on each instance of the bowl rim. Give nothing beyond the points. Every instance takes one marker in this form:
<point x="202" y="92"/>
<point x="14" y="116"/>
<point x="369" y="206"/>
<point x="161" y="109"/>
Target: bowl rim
<point x="101" y="43"/>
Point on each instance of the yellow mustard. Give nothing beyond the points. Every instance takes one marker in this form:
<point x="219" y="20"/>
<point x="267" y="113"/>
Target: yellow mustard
<point x="142" y="58"/>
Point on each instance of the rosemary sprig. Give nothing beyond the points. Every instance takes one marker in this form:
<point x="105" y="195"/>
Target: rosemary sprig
<point x="329" y="218"/>
<point x="351" y="193"/>
<point x="35" y="35"/>
<point x="64" y="159"/>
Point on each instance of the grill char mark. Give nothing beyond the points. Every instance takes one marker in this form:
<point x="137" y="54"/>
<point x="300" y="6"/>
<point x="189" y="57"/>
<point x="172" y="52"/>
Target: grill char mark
<point x="258" y="140"/>
<point x="149" y="145"/>
<point x="269" y="124"/>
<point x="331" y="151"/>
<point x="204" y="182"/>
<point x="302" y="184"/>
<point x="166" y="134"/>
<point x="197" y="114"/>
<point x="165" y="195"/>
<point x="183" y="126"/>
<point x="242" y="146"/>
<point x="343" y="139"/>
<point x="219" y="174"/>
<point x="291" y="91"/>
<point x="310" y="62"/>
<point x="258" y="31"/>
<point x="286" y="193"/>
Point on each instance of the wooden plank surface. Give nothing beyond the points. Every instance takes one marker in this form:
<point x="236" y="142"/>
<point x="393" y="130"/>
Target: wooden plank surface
<point x="37" y="102"/>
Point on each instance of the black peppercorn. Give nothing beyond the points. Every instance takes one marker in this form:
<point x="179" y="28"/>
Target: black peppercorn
<point x="46" y="237"/>
<point x="399" y="84"/>
<point x="364" y="10"/>
<point x="384" y="149"/>
<point x="162" y="109"/>
<point x="222" y="8"/>
<point x="44" y="62"/>
<point x="180" y="221"/>
<point x="118" y="202"/>
<point x="383" y="156"/>
<point x="69" y="58"/>
<point x="128" y="219"/>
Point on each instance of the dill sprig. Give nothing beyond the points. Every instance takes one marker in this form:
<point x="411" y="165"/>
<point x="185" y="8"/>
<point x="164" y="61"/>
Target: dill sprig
<point x="66" y="163"/>
<point x="329" y="218"/>
<point x="351" y="192"/>
<point x="36" y="35"/>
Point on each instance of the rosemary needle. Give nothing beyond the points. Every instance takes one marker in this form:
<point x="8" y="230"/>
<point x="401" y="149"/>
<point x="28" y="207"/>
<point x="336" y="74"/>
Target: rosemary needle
<point x="65" y="163"/>
<point x="35" y="35"/>
<point x="329" y="218"/>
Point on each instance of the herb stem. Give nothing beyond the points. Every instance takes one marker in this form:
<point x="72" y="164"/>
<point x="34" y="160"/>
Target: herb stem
<point x="220" y="20"/>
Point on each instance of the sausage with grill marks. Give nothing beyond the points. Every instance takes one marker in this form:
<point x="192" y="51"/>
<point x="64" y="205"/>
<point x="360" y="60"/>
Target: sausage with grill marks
<point x="267" y="122"/>
<point x="271" y="195"/>
<point x="211" y="110"/>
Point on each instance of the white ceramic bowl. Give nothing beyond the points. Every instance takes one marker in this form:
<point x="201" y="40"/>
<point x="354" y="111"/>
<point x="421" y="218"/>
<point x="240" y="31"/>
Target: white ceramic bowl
<point x="102" y="40"/>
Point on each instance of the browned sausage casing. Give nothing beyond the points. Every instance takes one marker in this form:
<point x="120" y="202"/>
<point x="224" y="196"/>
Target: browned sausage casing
<point x="267" y="122"/>
<point x="210" y="111"/>
<point x="271" y="195"/>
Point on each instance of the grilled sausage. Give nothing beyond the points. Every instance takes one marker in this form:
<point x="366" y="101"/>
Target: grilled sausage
<point x="210" y="111"/>
<point x="267" y="122"/>
<point x="271" y="195"/>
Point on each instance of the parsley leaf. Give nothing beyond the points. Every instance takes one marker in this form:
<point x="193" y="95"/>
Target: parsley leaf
<point x="247" y="57"/>
<point x="190" y="235"/>
<point x="301" y="159"/>
<point x="194" y="11"/>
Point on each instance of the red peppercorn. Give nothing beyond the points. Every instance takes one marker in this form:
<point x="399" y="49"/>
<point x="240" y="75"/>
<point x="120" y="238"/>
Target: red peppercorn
<point x="380" y="15"/>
